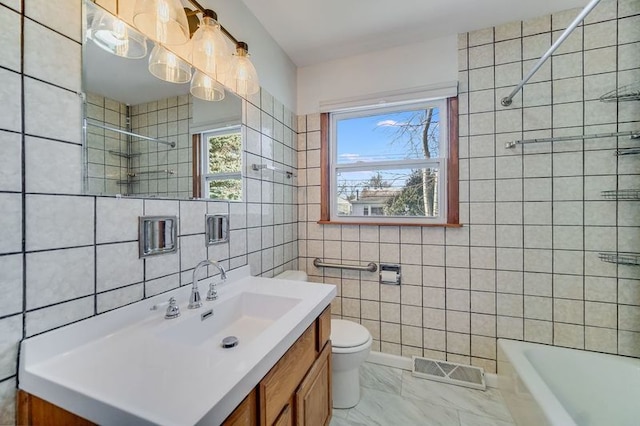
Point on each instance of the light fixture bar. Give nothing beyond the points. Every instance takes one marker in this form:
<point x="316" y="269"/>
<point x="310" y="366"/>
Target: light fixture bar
<point x="223" y="29"/>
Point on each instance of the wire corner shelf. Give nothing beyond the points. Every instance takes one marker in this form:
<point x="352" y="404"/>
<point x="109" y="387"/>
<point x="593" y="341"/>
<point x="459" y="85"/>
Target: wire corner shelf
<point x="620" y="258"/>
<point x="629" y="92"/>
<point x="622" y="194"/>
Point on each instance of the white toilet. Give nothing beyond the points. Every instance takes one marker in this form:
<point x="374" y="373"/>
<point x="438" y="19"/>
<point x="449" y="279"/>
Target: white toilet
<point x="351" y="344"/>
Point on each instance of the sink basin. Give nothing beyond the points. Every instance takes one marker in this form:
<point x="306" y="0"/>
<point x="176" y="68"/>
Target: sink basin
<point x="171" y="372"/>
<point x="244" y="316"/>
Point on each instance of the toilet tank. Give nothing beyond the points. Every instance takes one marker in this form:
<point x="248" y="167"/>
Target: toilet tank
<point x="293" y="275"/>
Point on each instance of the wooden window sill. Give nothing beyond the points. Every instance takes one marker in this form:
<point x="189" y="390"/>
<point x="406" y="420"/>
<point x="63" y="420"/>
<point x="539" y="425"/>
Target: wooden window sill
<point x="428" y="225"/>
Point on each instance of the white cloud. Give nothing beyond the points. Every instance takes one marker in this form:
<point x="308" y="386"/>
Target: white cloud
<point x="390" y="123"/>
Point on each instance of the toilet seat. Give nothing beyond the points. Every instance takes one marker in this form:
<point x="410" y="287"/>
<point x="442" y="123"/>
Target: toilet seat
<point x="349" y="336"/>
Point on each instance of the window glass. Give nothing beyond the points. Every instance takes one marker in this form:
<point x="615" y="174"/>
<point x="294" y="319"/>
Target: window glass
<point x="223" y="167"/>
<point x="389" y="162"/>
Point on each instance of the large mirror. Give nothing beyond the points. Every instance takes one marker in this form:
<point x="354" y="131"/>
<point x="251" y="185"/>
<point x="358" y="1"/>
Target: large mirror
<point x="145" y="137"/>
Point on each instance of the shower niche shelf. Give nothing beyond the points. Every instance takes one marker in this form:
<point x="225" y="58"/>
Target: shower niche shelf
<point x="621" y="258"/>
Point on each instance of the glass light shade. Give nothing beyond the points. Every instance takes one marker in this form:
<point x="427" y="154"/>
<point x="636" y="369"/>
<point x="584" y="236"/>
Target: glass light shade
<point x="242" y="77"/>
<point x="168" y="67"/>
<point x="116" y="37"/>
<point x="211" y="53"/>
<point x="206" y="88"/>
<point x="163" y="21"/>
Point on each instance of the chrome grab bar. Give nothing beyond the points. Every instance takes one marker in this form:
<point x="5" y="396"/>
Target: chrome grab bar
<point x="371" y="266"/>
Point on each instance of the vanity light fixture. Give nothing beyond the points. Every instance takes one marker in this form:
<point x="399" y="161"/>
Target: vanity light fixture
<point x="210" y="52"/>
<point x="163" y="21"/>
<point x="167" y="66"/>
<point x="206" y="88"/>
<point x="115" y="36"/>
<point x="168" y="24"/>
<point x="242" y="77"/>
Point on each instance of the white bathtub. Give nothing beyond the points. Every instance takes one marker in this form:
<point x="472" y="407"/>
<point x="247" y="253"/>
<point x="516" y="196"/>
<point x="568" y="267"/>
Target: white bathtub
<point x="548" y="385"/>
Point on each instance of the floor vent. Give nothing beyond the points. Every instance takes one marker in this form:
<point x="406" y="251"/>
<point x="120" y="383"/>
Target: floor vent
<point x="449" y="372"/>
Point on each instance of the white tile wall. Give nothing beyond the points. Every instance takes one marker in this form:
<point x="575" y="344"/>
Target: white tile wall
<point x="80" y="253"/>
<point x="525" y="266"/>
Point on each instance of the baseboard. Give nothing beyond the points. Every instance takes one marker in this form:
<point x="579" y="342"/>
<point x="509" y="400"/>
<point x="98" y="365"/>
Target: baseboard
<point x="397" y="361"/>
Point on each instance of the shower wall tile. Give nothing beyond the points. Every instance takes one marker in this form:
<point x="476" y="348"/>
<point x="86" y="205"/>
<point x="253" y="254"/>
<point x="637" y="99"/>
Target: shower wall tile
<point x="525" y="266"/>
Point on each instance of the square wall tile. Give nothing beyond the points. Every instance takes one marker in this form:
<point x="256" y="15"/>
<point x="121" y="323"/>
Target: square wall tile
<point x="50" y="219"/>
<point x="10" y="223"/>
<point x="10" y="97"/>
<point x="59" y="275"/>
<point x="10" y="39"/>
<point x="10" y="162"/>
<point x="117" y="219"/>
<point x="11" y="284"/>
<point x="10" y="336"/>
<point x="59" y="121"/>
<point x="119" y="297"/>
<point x="43" y="171"/>
<point x="601" y="340"/>
<point x="63" y="16"/>
<point x="52" y="57"/>
<point x="118" y="265"/>
<point x="51" y="317"/>
<point x="538" y="331"/>
<point x="192" y="217"/>
<point x="568" y="335"/>
<point x="161" y="285"/>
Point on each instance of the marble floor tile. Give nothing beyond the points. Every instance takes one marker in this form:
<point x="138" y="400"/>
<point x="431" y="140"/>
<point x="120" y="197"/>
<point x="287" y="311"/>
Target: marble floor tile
<point x="339" y="421"/>
<point x="488" y="403"/>
<point x="380" y="377"/>
<point x="386" y="409"/>
<point x="469" y="419"/>
<point x="393" y="397"/>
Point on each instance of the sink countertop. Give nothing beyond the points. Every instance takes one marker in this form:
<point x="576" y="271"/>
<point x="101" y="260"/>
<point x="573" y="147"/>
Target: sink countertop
<point x="117" y="368"/>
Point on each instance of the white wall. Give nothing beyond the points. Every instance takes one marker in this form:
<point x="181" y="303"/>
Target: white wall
<point x="277" y="73"/>
<point x="415" y="65"/>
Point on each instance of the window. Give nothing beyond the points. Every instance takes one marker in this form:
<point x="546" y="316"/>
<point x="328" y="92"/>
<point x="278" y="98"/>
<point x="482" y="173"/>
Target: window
<point x="222" y="164"/>
<point x="393" y="164"/>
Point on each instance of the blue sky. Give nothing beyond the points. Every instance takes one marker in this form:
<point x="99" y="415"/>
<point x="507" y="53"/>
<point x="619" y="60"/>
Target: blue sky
<point x="376" y="138"/>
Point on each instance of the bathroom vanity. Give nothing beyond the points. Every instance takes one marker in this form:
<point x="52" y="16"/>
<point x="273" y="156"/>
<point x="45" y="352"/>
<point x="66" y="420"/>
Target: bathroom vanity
<point x="132" y="366"/>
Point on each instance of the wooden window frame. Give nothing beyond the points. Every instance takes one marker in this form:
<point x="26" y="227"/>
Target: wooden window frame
<point x="453" y="176"/>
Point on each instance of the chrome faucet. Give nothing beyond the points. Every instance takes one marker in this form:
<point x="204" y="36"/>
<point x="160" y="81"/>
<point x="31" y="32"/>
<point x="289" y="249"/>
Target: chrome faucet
<point x="194" y="299"/>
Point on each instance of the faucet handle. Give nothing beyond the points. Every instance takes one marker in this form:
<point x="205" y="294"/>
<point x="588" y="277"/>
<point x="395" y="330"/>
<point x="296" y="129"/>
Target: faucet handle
<point x="173" y="310"/>
<point x="212" y="294"/>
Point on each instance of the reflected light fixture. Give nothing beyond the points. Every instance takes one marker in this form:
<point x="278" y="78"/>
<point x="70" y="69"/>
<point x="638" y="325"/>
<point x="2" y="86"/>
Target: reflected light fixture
<point x="163" y="21"/>
<point x="206" y="88"/>
<point x="210" y="51"/>
<point x="168" y="66"/>
<point x="168" y="24"/>
<point x="116" y="37"/>
<point x="242" y="77"/>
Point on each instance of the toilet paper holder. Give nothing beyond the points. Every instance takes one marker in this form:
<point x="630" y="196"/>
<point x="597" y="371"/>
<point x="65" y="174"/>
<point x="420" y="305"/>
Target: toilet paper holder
<point x="390" y="274"/>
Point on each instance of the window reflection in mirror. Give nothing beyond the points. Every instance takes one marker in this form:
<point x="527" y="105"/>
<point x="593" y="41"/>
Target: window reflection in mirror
<point x="131" y="121"/>
<point x="222" y="166"/>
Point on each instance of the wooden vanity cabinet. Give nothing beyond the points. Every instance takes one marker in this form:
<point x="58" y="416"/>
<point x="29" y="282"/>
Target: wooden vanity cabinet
<point x="296" y="391"/>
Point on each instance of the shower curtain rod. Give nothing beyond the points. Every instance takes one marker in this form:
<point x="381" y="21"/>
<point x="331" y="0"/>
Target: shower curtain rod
<point x="124" y="132"/>
<point x="588" y="8"/>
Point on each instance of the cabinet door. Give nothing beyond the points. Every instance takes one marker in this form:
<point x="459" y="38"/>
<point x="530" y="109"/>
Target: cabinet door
<point x="246" y="414"/>
<point x="313" y="397"/>
<point x="285" y="418"/>
<point x="279" y="385"/>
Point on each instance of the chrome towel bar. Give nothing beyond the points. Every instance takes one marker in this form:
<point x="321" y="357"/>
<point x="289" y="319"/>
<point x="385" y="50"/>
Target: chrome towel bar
<point x="371" y="266"/>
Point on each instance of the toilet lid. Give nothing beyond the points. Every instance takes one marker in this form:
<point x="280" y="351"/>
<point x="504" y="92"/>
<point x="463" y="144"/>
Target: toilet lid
<point x="347" y="334"/>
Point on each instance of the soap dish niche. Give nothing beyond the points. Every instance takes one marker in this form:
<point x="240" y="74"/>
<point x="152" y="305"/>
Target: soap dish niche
<point x="216" y="229"/>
